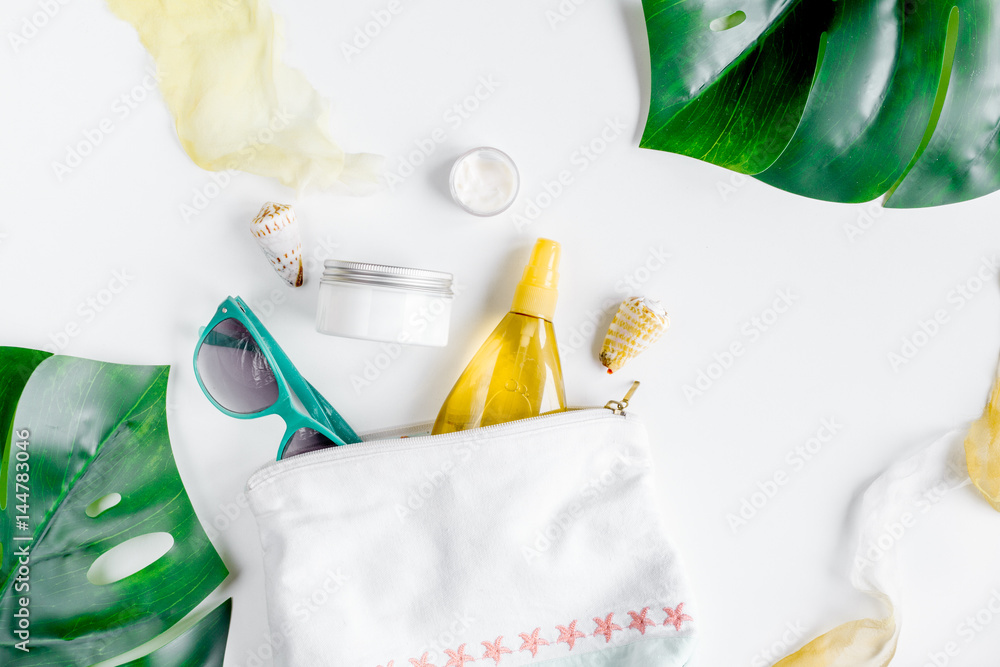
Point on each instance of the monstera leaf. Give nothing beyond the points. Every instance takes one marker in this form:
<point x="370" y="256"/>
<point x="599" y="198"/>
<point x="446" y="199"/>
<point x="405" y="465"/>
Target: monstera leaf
<point x="841" y="100"/>
<point x="89" y="468"/>
<point x="204" y="645"/>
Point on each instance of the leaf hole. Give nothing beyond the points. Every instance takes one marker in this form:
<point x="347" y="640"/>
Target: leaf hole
<point x="103" y="504"/>
<point x="728" y="22"/>
<point x="129" y="557"/>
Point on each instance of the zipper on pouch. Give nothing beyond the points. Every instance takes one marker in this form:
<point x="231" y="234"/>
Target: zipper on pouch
<point x="401" y="438"/>
<point x="618" y="407"/>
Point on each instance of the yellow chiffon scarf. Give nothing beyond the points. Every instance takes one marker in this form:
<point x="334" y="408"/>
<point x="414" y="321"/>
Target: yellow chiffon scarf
<point x="872" y="642"/>
<point x="236" y="105"/>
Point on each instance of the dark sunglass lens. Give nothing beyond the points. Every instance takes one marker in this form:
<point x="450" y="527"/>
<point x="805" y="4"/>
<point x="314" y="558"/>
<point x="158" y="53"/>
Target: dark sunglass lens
<point x="235" y="371"/>
<point x="306" y="440"/>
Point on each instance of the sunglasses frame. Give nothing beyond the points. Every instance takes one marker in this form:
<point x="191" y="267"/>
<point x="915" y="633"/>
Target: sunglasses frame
<point x="319" y="416"/>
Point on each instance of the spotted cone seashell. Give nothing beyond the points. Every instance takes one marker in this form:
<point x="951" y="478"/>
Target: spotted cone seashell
<point x="638" y="324"/>
<point x="277" y="234"/>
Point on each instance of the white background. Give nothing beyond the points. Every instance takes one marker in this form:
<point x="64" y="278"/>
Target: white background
<point x="733" y="245"/>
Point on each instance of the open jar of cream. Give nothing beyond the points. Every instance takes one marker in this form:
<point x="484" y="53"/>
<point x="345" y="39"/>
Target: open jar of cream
<point x="384" y="303"/>
<point x="484" y="181"/>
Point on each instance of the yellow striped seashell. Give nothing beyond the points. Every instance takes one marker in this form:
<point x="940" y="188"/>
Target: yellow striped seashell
<point x="638" y="324"/>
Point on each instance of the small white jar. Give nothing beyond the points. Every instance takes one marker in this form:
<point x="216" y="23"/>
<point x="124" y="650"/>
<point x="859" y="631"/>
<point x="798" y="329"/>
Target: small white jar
<point x="484" y="181"/>
<point x="392" y="304"/>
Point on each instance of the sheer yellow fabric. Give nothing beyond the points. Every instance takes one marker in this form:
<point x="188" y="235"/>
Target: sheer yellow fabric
<point x="235" y="104"/>
<point x="982" y="450"/>
<point x="863" y="643"/>
<point x="872" y="642"/>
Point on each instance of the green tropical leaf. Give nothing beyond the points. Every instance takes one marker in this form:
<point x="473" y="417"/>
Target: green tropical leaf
<point x="203" y="645"/>
<point x="16" y="366"/>
<point x="92" y="429"/>
<point x="841" y="100"/>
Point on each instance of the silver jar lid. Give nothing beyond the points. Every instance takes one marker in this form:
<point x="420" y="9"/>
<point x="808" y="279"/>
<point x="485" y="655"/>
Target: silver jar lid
<point x="384" y="275"/>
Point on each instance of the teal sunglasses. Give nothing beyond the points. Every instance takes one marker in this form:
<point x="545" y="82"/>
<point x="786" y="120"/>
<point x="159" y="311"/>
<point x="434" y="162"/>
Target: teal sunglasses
<point x="246" y="375"/>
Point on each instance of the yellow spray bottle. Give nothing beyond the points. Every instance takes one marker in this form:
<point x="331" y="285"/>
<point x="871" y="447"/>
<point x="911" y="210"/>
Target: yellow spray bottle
<point x="516" y="373"/>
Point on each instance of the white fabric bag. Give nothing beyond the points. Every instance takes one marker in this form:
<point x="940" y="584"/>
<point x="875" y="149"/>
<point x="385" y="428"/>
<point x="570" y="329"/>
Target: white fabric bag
<point x="533" y="542"/>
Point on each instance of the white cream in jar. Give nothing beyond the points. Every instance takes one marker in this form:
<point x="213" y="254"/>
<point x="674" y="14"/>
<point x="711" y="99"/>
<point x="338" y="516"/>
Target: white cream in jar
<point x="484" y="181"/>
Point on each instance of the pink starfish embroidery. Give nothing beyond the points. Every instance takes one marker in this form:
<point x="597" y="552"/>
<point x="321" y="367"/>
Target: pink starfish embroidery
<point x="569" y="635"/>
<point x="639" y="620"/>
<point x="391" y="663"/>
<point x="606" y="627"/>
<point x="458" y="659"/>
<point x="495" y="650"/>
<point x="676" y="617"/>
<point x="422" y="662"/>
<point x="532" y="642"/>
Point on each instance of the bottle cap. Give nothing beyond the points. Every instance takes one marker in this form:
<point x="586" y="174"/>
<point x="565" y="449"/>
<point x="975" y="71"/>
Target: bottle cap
<point x="537" y="292"/>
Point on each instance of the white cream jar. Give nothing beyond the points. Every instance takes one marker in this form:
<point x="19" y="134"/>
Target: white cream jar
<point x="484" y="181"/>
<point x="385" y="303"/>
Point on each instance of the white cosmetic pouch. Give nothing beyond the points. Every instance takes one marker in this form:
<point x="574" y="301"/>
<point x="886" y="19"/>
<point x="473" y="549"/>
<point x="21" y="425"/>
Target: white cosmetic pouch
<point x="533" y="542"/>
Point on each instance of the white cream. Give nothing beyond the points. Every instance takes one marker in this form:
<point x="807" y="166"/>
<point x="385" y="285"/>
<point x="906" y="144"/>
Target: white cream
<point x="484" y="181"/>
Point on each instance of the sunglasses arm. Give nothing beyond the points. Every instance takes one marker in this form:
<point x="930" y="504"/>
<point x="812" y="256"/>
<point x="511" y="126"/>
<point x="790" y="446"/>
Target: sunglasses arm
<point x="317" y="406"/>
<point x="336" y="423"/>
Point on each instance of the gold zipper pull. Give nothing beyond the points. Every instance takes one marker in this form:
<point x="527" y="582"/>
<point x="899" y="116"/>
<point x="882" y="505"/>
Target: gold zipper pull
<point x="618" y="407"/>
